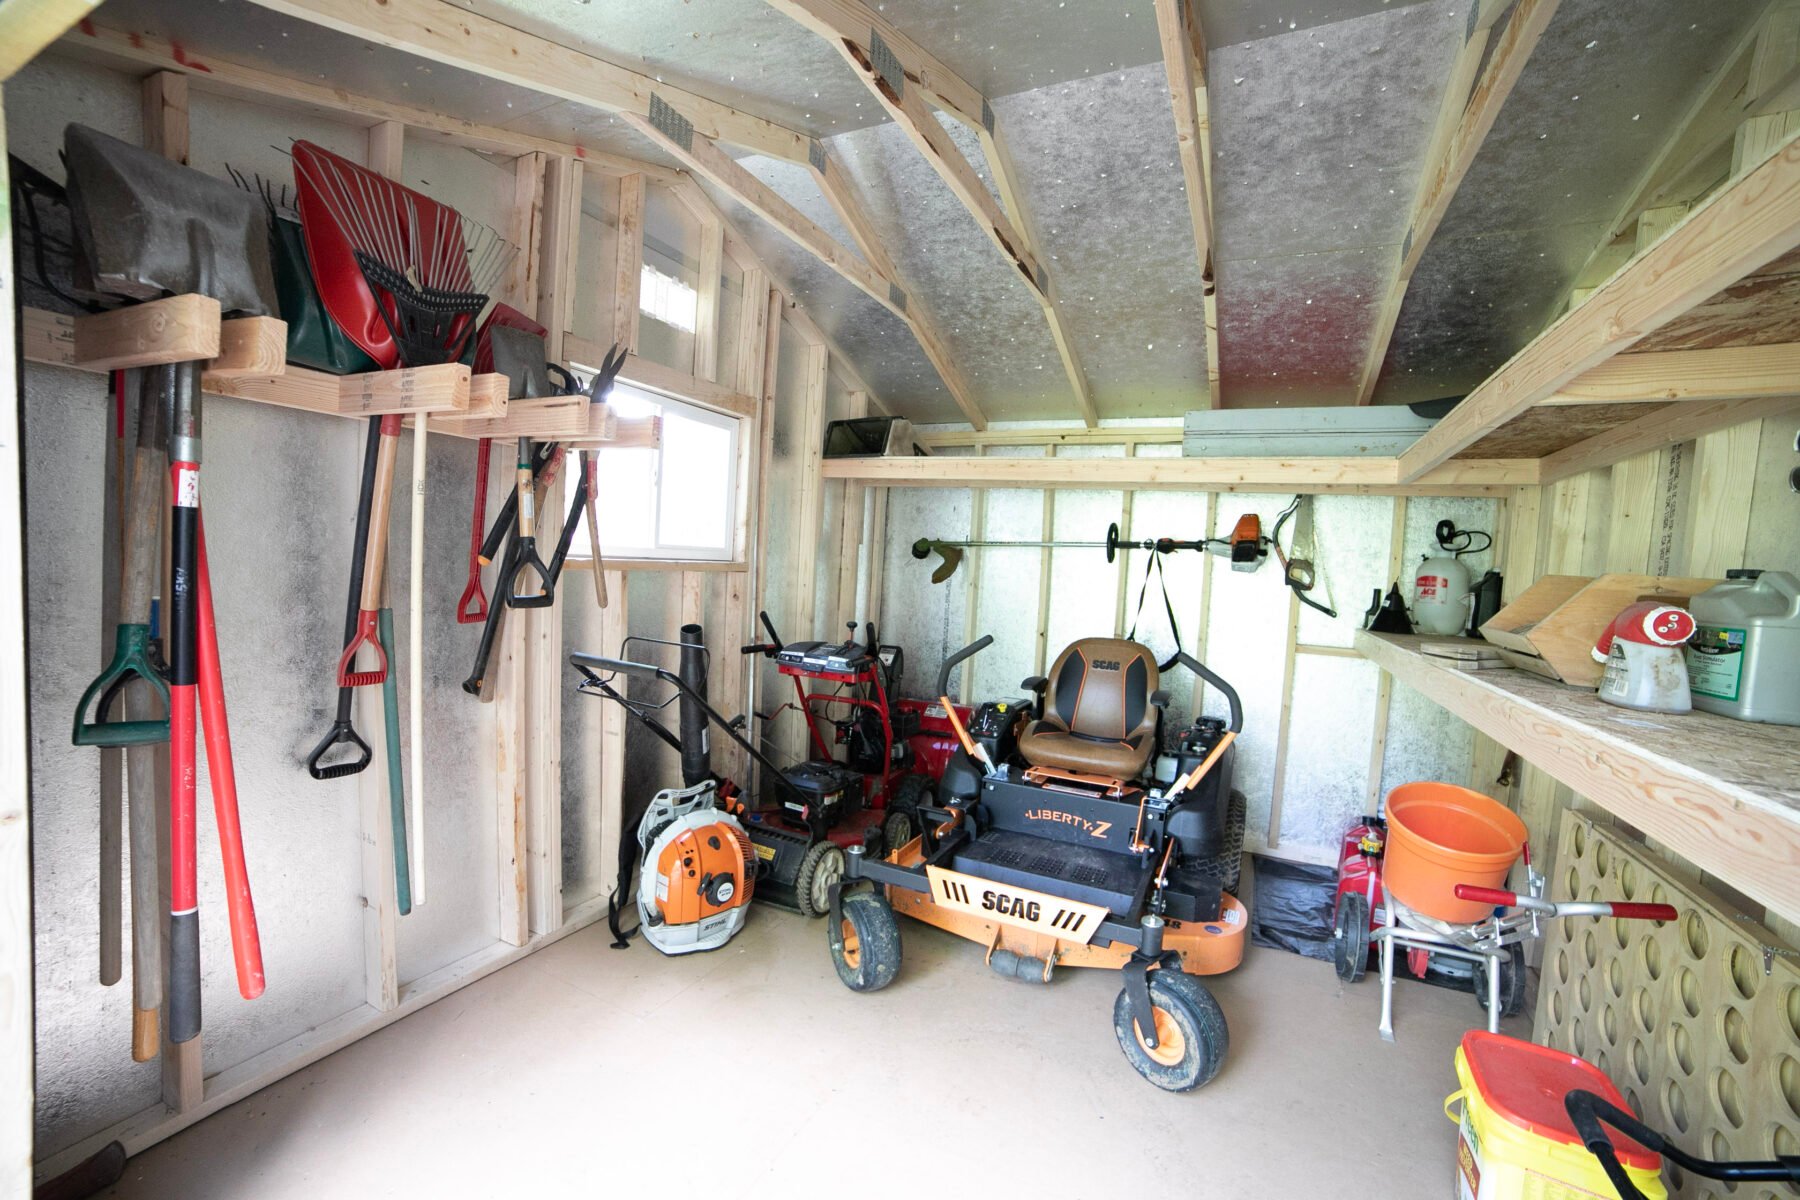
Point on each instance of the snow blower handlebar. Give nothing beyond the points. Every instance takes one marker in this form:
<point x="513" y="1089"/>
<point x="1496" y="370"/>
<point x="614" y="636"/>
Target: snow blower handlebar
<point x="1587" y="1113"/>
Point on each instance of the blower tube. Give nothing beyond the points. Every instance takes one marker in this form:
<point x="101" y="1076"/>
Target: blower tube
<point x="695" y="765"/>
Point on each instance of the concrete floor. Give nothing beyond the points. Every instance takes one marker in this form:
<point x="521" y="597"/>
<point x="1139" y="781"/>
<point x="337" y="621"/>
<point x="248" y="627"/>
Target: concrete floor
<point x="752" y="1071"/>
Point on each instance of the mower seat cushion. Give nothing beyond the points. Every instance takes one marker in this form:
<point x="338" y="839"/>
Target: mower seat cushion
<point x="1098" y="712"/>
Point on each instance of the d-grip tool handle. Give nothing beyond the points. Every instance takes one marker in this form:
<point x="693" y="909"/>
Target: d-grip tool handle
<point x="526" y="555"/>
<point x="131" y="658"/>
<point x="490" y="629"/>
<point x="342" y="734"/>
<point x="1588" y="1111"/>
<point x="473" y="605"/>
<point x="374" y="560"/>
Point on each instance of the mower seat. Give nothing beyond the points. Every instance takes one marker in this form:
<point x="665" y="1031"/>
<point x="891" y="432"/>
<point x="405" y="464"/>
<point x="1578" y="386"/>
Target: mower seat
<point x="1100" y="706"/>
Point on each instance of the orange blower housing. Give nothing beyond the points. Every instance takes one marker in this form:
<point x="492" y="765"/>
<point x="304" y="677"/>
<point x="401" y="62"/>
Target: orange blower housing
<point x="699" y="871"/>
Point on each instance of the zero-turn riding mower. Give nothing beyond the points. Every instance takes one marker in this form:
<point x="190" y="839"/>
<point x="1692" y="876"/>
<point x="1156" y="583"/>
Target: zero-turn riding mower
<point x="1054" y="844"/>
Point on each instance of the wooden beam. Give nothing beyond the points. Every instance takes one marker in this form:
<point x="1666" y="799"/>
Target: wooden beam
<point x="1665" y="427"/>
<point x="1726" y="373"/>
<point x="853" y="29"/>
<point x="1114" y="435"/>
<point x="647" y="373"/>
<point x="557" y="224"/>
<point x="1184" y="59"/>
<point x="524" y="228"/>
<point x="165" y="96"/>
<point x="1719" y="793"/>
<point x="628" y="265"/>
<point x="1466" y="115"/>
<point x="849" y="19"/>
<point x="27" y="26"/>
<point x="17" y="1048"/>
<point x="706" y="317"/>
<point x="1738" y="229"/>
<point x="109" y="46"/>
<point x="1463" y="477"/>
<point x="456" y="37"/>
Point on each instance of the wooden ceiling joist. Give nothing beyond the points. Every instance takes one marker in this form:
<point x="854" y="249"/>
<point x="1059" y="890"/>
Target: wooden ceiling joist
<point x="27" y="26"/>
<point x="1184" y="58"/>
<point x="1726" y="373"/>
<point x="1667" y="426"/>
<point x="1470" y="105"/>
<point x="903" y="77"/>
<point x="1737" y="230"/>
<point x="468" y="41"/>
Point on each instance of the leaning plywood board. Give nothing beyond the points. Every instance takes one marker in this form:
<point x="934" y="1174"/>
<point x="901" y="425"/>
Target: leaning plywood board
<point x="1551" y="628"/>
<point x="1697" y="1020"/>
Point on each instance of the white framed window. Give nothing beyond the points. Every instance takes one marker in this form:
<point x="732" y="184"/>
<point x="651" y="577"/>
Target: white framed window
<point x="678" y="501"/>
<point x="670" y="300"/>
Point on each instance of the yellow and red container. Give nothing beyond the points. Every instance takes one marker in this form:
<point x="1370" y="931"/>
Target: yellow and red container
<point x="1440" y="835"/>
<point x="1515" y="1140"/>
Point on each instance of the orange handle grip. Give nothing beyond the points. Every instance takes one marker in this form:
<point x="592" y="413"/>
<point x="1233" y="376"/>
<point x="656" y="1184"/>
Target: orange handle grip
<point x="969" y="744"/>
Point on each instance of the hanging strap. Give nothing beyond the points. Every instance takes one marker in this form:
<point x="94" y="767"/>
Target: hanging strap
<point x="1155" y="564"/>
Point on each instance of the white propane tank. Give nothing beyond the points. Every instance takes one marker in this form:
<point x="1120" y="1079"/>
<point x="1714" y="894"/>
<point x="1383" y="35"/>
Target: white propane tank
<point x="1441" y="596"/>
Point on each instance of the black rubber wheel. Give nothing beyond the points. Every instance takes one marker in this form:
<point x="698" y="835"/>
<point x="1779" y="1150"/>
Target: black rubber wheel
<point x="1227" y="866"/>
<point x="865" y="945"/>
<point x="1190" y="1032"/>
<point x="822" y="866"/>
<point x="911" y="792"/>
<point x="1350" y="937"/>
<point x="1512" y="983"/>
<point x="897" y="829"/>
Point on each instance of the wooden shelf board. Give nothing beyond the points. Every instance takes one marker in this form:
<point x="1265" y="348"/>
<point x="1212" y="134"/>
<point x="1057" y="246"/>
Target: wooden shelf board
<point x="1723" y="794"/>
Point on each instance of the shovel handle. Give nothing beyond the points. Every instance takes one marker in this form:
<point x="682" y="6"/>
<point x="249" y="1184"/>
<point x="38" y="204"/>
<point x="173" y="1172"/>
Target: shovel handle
<point x="365" y="636"/>
<point x="342" y="734"/>
<point x="472" y="608"/>
<point x="526" y="556"/>
<point x="131" y="659"/>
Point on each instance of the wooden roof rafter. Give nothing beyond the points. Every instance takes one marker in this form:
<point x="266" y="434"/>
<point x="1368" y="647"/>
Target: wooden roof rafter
<point x="1738" y="230"/>
<point x="903" y="78"/>
<point x="1471" y="104"/>
<point x="1184" y="58"/>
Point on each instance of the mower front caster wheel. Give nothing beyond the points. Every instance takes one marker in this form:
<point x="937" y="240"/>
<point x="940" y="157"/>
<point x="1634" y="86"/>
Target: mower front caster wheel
<point x="822" y="866"/>
<point x="865" y="945"/>
<point x="1191" y="1038"/>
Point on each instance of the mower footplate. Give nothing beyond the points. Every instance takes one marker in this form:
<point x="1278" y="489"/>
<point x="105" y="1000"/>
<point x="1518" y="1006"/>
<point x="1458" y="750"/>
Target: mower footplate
<point x="1115" y="882"/>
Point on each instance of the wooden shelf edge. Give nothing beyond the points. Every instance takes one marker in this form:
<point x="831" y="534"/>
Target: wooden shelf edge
<point x="1747" y="839"/>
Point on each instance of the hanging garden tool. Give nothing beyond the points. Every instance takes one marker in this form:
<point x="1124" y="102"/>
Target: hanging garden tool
<point x="1298" y="569"/>
<point x="343" y="732"/>
<point x="147" y="227"/>
<point x="374" y="565"/>
<point x="1246" y="547"/>
<point x="396" y="781"/>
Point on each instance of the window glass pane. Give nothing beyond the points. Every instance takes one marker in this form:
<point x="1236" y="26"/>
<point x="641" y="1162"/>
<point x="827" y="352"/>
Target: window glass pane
<point x="624" y="492"/>
<point x="696" y="497"/>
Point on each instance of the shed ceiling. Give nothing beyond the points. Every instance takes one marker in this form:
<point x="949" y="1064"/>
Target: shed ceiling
<point x="1321" y="110"/>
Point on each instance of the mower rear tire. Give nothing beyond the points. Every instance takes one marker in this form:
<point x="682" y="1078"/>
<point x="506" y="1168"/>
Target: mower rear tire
<point x="1227" y="866"/>
<point x="1350" y="937"/>
<point x="822" y="866"/>
<point x="897" y="830"/>
<point x="865" y="945"/>
<point x="1190" y="1032"/>
<point x="911" y="792"/>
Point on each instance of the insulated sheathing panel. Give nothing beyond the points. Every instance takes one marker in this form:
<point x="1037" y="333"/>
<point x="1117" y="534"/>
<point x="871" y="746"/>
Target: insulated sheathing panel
<point x="1318" y="138"/>
<point x="985" y="313"/>
<point x="1246" y="634"/>
<point x="829" y="536"/>
<point x="1325" y="779"/>
<point x="1419" y="541"/>
<point x="776" y="572"/>
<point x="1006" y="602"/>
<point x="460" y="913"/>
<point x="672" y="248"/>
<point x="584" y="876"/>
<point x="478" y="186"/>
<point x="1084" y="587"/>
<point x="253" y="140"/>
<point x="924" y="618"/>
<point x="1351" y="536"/>
<point x="51" y="93"/>
<point x="1179" y="515"/>
<point x="1582" y="124"/>
<point x="1424" y="742"/>
<point x="596" y="261"/>
<point x="1098" y="169"/>
<point x="731" y="316"/>
<point x="654" y="599"/>
<point x="880" y="344"/>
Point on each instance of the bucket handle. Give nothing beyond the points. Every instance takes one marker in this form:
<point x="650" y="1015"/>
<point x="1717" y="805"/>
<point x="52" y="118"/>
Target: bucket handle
<point x="1459" y="1095"/>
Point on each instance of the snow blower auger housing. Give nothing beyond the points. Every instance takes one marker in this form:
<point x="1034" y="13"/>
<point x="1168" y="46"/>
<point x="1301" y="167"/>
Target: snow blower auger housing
<point x="1054" y="844"/>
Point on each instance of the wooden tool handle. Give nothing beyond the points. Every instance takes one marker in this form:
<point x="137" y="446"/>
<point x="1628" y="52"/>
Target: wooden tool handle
<point x="522" y="481"/>
<point x="380" y="505"/>
<point x="146" y="1034"/>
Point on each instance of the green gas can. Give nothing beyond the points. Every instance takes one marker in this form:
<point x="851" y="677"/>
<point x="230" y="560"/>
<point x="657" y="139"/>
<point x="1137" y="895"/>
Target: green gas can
<point x="1744" y="660"/>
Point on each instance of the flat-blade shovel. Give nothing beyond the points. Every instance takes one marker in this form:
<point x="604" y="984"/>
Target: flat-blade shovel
<point x="146" y="227"/>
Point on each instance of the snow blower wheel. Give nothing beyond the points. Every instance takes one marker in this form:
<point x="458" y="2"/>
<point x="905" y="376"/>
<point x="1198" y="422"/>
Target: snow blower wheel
<point x="865" y="942"/>
<point x="896" y="830"/>
<point x="1191" y="1038"/>
<point x="822" y="867"/>
<point x="1350" y="940"/>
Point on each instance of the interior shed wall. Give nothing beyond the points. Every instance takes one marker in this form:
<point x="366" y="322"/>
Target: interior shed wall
<point x="1291" y="666"/>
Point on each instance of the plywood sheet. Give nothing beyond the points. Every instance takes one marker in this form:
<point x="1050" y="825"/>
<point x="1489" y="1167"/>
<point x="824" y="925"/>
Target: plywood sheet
<point x="1540" y="431"/>
<point x="1762" y="310"/>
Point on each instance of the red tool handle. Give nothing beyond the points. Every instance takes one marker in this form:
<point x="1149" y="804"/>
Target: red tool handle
<point x="246" y="944"/>
<point x="1644" y="912"/>
<point x="472" y="608"/>
<point x="1486" y="895"/>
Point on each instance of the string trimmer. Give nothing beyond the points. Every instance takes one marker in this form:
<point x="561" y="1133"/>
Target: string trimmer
<point x="1246" y="547"/>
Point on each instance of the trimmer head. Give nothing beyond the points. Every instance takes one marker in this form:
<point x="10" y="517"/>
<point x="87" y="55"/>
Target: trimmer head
<point x="519" y="355"/>
<point x="145" y="227"/>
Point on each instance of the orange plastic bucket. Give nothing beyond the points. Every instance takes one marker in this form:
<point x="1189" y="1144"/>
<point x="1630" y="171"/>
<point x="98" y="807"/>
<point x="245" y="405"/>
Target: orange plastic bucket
<point x="1440" y="835"/>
